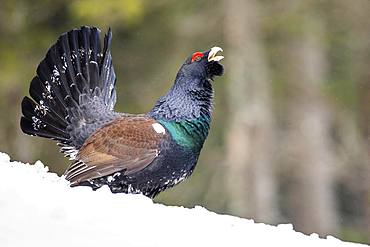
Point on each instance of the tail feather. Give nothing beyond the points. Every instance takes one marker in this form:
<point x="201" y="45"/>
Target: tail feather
<point x="73" y="92"/>
<point x="39" y="92"/>
<point x="108" y="74"/>
<point x="29" y="108"/>
<point x="28" y="127"/>
<point x="42" y="119"/>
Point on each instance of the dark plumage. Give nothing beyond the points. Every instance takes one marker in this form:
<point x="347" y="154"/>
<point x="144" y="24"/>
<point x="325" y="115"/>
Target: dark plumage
<point x="73" y="95"/>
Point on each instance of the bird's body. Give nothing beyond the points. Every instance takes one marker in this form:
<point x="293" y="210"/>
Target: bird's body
<point x="74" y="94"/>
<point x="143" y="137"/>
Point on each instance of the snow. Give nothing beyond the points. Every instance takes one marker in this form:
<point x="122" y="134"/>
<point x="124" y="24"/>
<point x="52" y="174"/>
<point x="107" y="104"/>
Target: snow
<point x="38" y="208"/>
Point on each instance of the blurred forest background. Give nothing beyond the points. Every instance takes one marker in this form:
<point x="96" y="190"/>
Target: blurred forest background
<point x="290" y="136"/>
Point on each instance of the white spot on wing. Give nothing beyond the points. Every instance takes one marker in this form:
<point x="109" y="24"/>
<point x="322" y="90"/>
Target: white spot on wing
<point x="159" y="128"/>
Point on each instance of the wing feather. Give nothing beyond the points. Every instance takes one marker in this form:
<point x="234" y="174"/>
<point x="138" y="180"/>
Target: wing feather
<point x="129" y="144"/>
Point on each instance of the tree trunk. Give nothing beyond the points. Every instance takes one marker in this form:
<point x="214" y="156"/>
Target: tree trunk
<point x="308" y="139"/>
<point x="359" y="19"/>
<point x="250" y="138"/>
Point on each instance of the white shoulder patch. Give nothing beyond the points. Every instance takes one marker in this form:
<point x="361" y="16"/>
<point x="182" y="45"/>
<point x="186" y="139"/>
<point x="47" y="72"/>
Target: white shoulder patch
<point x="159" y="128"/>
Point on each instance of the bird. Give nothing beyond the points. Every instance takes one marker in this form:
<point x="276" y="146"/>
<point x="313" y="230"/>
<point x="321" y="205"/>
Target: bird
<point x="72" y="99"/>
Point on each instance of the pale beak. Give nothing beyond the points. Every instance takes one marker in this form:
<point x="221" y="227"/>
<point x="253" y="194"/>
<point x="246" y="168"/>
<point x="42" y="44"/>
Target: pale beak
<point x="212" y="54"/>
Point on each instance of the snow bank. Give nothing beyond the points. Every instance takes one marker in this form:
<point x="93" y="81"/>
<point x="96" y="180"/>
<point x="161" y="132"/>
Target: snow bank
<point x="38" y="208"/>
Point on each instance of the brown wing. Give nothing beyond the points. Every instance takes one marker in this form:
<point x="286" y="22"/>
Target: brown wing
<point x="130" y="143"/>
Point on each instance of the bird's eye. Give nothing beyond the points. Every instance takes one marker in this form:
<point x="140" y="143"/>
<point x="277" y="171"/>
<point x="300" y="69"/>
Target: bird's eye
<point x="197" y="56"/>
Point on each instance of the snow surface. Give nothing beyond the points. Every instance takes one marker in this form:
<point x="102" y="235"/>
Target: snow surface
<point x="38" y="208"/>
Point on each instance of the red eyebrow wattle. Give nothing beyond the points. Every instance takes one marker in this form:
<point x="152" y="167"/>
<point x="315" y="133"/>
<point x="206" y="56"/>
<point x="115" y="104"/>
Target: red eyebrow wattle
<point x="196" y="55"/>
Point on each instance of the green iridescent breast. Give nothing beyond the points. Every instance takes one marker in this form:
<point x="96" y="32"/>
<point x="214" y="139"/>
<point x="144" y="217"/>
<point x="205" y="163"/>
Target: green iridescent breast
<point x="188" y="133"/>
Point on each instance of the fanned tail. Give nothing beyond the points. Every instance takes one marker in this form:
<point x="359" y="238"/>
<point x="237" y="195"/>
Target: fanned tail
<point x="73" y="92"/>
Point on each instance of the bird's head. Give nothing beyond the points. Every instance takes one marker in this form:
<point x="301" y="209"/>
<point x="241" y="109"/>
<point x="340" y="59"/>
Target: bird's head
<point x="202" y="65"/>
<point x="192" y="93"/>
